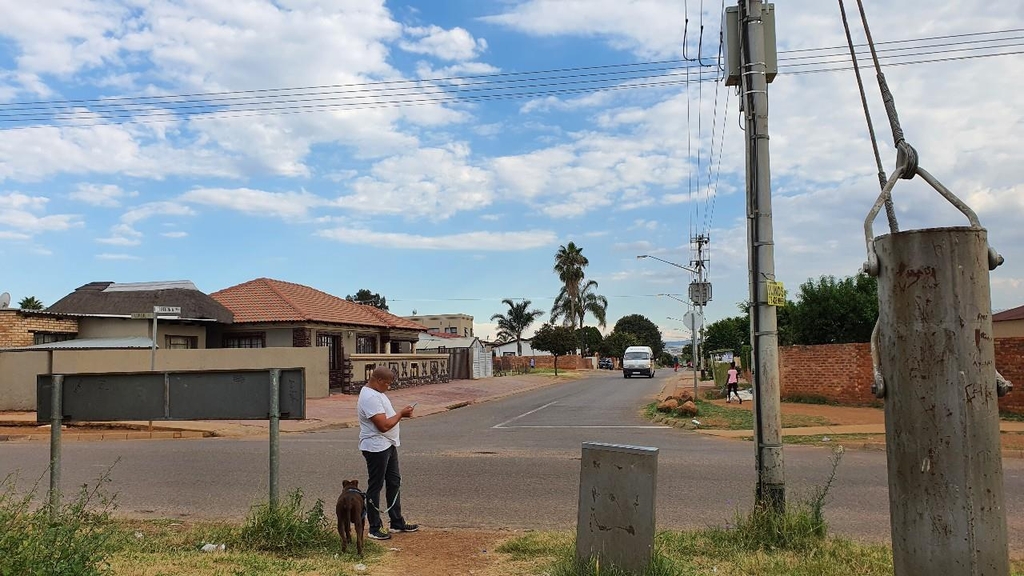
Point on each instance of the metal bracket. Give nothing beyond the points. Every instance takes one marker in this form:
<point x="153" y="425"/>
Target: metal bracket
<point x="902" y="168"/>
<point x="878" y="386"/>
<point x="1003" y="386"/>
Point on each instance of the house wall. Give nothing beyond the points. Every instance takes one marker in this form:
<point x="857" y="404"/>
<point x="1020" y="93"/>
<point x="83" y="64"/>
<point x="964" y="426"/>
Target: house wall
<point x="280" y="338"/>
<point x="510" y="347"/>
<point x="462" y="323"/>
<point x="124" y="328"/>
<point x="1008" y="329"/>
<point x="18" y="370"/>
<point x="842" y="373"/>
<point x="17" y="328"/>
<point x="520" y="363"/>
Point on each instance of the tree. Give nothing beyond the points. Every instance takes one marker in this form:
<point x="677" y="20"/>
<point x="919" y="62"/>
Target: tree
<point x="614" y="345"/>
<point x="589" y="339"/>
<point x="646" y="332"/>
<point x="30" y="303"/>
<point x="558" y="340"/>
<point x="727" y="334"/>
<point x="364" y="296"/>
<point x="569" y="265"/>
<point x="831" y="311"/>
<point x="517" y="320"/>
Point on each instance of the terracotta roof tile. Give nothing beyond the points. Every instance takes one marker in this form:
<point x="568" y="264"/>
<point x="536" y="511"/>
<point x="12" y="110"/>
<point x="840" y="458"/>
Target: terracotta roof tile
<point x="1011" y="314"/>
<point x="269" y="300"/>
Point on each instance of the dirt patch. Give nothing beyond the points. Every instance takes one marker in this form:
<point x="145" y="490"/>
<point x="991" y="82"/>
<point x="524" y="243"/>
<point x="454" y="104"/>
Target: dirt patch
<point x="432" y="552"/>
<point x="835" y="415"/>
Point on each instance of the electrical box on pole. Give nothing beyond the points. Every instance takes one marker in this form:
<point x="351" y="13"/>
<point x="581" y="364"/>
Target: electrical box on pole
<point x="700" y="292"/>
<point x="733" y="44"/>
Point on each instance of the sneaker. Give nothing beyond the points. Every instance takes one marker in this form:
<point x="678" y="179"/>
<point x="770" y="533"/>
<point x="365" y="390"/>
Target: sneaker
<point x="379" y="534"/>
<point x="406" y="528"/>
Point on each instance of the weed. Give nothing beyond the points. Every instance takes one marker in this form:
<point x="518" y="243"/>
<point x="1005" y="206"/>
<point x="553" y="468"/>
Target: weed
<point x="800" y="526"/>
<point x="535" y="544"/>
<point x="568" y="564"/>
<point x="75" y="538"/>
<point x="800" y="398"/>
<point x="287" y="527"/>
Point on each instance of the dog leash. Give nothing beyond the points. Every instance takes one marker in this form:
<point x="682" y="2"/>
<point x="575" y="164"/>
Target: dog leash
<point x="386" y="510"/>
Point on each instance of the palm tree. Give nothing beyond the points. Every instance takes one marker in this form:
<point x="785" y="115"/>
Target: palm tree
<point x="592" y="302"/>
<point x="574" y="310"/>
<point x="512" y="324"/>
<point x="30" y="303"/>
<point x="569" y="265"/>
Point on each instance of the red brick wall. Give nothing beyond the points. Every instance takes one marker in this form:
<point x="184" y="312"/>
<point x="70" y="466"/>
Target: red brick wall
<point x="841" y="373"/>
<point x="17" y="328"/>
<point x="564" y="362"/>
<point x="1010" y="363"/>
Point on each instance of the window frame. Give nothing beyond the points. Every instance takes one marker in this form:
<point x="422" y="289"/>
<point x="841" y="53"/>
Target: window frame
<point x="247" y="336"/>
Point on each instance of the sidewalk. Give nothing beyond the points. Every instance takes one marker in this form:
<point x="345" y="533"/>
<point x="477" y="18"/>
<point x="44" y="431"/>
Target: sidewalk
<point x="334" y="412"/>
<point x="1004" y="426"/>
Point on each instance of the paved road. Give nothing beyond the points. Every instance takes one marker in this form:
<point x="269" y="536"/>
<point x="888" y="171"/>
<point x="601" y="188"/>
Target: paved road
<point x="510" y="463"/>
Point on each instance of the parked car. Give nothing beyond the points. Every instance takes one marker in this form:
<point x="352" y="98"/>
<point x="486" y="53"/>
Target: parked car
<point x="606" y="364"/>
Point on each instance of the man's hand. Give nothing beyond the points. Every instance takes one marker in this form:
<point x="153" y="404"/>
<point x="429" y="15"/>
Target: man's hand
<point x="407" y="411"/>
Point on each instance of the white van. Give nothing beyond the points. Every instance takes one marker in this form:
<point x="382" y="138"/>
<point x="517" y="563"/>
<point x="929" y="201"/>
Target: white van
<point x="638" y="360"/>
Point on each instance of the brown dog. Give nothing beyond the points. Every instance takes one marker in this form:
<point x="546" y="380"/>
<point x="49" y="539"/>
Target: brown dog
<point x="350" y="513"/>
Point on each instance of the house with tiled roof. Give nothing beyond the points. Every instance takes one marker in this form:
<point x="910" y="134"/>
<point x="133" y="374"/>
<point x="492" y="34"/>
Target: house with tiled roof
<point x="1009" y="323"/>
<point x="271" y="313"/>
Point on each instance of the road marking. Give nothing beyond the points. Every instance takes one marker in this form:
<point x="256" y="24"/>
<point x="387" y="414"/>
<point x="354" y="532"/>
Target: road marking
<point x="585" y="426"/>
<point x="502" y="425"/>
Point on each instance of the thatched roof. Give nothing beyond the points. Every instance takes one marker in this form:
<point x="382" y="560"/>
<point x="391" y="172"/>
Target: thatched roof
<point x="124" y="299"/>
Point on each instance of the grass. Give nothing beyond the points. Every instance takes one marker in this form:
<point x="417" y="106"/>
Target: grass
<point x="718" y="417"/>
<point x="833" y="439"/>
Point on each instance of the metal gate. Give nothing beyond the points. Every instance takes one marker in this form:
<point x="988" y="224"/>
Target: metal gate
<point x="460" y="363"/>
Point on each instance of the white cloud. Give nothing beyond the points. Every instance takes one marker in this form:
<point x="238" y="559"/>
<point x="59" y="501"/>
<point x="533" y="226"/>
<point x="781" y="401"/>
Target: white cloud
<point x="430" y="183"/>
<point x="641" y="224"/>
<point x="109" y="256"/>
<point x="125" y="233"/>
<point x="477" y="241"/>
<point x="22" y="212"/>
<point x="648" y="28"/>
<point x="454" y="44"/>
<point x="637" y="246"/>
<point x="175" y="234"/>
<point x="287" y="205"/>
<point x="9" y="235"/>
<point x="107" y="195"/>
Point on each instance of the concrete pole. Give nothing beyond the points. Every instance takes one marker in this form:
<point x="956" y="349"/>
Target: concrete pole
<point x="693" y="348"/>
<point x="56" y="417"/>
<point x="771" y="485"/>
<point x="937" y="358"/>
<point x="275" y="434"/>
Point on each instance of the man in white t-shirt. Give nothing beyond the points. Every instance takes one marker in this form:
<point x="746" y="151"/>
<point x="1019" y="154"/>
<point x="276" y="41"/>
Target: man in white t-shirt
<point x="379" y="441"/>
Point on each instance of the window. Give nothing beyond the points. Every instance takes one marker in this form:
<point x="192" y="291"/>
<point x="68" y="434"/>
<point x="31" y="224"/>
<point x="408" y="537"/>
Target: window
<point x="50" y="337"/>
<point x="432" y="330"/>
<point x="172" y="342"/>
<point x="245" y="340"/>
<point x="636" y="356"/>
<point x="451" y="330"/>
<point x="466" y="332"/>
<point x="366" y="344"/>
<point x="334" y="344"/>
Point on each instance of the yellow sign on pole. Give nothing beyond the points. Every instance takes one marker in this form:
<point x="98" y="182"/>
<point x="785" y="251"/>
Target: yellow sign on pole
<point x="776" y="294"/>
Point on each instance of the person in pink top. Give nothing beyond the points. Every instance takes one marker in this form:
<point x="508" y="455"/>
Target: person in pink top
<point x="733" y="384"/>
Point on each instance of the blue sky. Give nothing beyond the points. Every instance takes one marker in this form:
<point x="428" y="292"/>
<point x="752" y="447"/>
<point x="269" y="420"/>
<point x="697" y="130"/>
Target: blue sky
<point x="450" y="207"/>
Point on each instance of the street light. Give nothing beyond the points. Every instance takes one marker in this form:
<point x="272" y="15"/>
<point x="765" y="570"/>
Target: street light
<point x="687" y="268"/>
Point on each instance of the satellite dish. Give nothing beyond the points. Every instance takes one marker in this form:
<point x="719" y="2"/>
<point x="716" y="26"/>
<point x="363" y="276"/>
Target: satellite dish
<point x="5" y="300"/>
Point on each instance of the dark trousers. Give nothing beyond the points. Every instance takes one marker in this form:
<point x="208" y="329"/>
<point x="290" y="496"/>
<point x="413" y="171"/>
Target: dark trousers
<point x="382" y="469"/>
<point x="733" y="389"/>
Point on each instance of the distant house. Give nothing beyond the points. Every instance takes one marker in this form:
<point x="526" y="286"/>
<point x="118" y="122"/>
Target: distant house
<point x="103" y="310"/>
<point x="273" y="313"/>
<point x="470" y="359"/>
<point x="511" y="349"/>
<point x="457" y="324"/>
<point x="1009" y="323"/>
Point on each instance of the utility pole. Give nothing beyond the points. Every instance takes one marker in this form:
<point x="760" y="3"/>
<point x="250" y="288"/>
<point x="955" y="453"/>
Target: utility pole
<point x="700" y="294"/>
<point x="755" y="69"/>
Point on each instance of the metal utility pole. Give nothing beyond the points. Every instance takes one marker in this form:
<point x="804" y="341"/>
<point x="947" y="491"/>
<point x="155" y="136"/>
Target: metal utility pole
<point x="700" y="294"/>
<point x="754" y="75"/>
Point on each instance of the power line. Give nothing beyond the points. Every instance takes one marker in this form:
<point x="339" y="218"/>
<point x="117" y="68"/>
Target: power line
<point x="364" y="103"/>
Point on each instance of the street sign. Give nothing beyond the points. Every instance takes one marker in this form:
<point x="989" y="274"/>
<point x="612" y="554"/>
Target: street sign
<point x="694" y="320"/>
<point x="776" y="294"/>
<point x="167" y="310"/>
<point x="142" y="315"/>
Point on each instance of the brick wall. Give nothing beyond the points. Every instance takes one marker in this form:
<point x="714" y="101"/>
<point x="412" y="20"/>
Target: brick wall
<point x="302" y="337"/>
<point x="507" y="363"/>
<point x="838" y="372"/>
<point x="841" y="373"/>
<point x="1010" y="363"/>
<point x="17" y="327"/>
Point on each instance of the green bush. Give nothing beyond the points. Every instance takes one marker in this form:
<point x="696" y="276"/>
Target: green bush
<point x="287" y="527"/>
<point x="721" y="374"/>
<point x="74" y="539"/>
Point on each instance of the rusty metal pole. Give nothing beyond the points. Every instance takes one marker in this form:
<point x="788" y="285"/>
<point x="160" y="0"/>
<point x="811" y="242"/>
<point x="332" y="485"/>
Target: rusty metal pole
<point x="937" y="361"/>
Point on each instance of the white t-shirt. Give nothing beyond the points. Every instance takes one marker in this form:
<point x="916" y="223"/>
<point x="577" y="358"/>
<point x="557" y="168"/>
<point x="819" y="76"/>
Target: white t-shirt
<point x="370" y="404"/>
